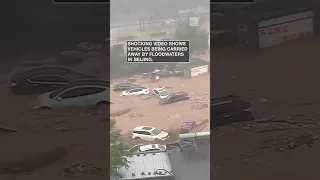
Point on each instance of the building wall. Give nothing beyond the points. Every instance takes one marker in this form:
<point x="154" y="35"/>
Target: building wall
<point x="278" y="30"/>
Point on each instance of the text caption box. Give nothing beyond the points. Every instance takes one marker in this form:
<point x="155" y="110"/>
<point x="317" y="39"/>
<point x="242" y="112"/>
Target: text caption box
<point x="158" y="51"/>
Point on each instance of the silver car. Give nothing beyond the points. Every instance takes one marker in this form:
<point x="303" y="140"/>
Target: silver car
<point x="79" y="93"/>
<point x="160" y="93"/>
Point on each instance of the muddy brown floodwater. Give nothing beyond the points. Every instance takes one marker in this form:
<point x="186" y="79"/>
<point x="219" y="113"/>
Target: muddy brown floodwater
<point x="282" y="83"/>
<point x="51" y="141"/>
<point x="145" y="110"/>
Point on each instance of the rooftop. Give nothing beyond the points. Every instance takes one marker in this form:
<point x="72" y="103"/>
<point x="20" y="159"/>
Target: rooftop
<point x="145" y="166"/>
<point x="190" y="162"/>
<point x="193" y="160"/>
<point x="268" y="10"/>
<point x="262" y="10"/>
<point x="191" y="165"/>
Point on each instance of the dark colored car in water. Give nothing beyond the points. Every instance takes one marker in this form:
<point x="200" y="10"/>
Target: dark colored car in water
<point x="174" y="97"/>
<point x="229" y="109"/>
<point x="187" y="126"/>
<point x="124" y="86"/>
<point x="44" y="79"/>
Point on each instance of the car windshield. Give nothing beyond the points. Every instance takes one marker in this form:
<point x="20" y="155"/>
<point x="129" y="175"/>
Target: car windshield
<point x="163" y="93"/>
<point x="133" y="90"/>
<point x="168" y="97"/>
<point x="129" y="85"/>
<point x="55" y="93"/>
<point x="187" y="123"/>
<point x="161" y="147"/>
<point x="156" y="131"/>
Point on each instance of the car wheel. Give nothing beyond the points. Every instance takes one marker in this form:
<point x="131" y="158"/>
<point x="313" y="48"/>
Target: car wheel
<point x="102" y="104"/>
<point x="136" y="138"/>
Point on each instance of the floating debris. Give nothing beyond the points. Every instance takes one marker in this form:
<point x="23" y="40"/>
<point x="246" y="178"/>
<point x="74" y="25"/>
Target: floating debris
<point x="82" y="168"/>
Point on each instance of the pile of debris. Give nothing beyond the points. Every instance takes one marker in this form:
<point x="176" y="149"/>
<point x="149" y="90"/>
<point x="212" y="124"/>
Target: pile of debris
<point x="199" y="106"/>
<point x="81" y="168"/>
<point x="290" y="141"/>
<point x="199" y="103"/>
<point x="294" y="132"/>
<point x="290" y="123"/>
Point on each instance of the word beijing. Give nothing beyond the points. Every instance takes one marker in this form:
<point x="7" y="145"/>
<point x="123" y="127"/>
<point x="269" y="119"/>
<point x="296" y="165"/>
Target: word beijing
<point x="158" y="51"/>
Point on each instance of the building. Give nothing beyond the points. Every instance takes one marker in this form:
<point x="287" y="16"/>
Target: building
<point x="264" y="24"/>
<point x="148" y="167"/>
<point x="275" y="27"/>
<point x="191" y="162"/>
<point x="191" y="165"/>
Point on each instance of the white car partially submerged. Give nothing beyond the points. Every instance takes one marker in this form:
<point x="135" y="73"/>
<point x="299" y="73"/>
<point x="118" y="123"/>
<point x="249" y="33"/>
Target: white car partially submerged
<point x="136" y="91"/>
<point x="169" y="21"/>
<point x="148" y="148"/>
<point x="160" y="93"/>
<point x="152" y="147"/>
<point x="79" y="93"/>
<point x="149" y="133"/>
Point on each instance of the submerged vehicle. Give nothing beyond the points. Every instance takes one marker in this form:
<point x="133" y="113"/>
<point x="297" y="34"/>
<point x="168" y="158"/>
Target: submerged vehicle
<point x="174" y="97"/>
<point x="229" y="109"/>
<point x="44" y="79"/>
<point x="187" y="126"/>
<point x="123" y="86"/>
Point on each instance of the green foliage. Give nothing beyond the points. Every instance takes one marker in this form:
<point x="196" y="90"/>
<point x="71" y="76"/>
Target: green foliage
<point x="118" y="151"/>
<point x="198" y="37"/>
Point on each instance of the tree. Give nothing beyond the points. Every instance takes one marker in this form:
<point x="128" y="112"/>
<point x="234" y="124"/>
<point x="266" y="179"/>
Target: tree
<point x="118" y="151"/>
<point x="197" y="36"/>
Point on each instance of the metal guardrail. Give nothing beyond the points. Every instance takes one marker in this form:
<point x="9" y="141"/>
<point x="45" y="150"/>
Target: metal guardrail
<point x="197" y="139"/>
<point x="170" y="147"/>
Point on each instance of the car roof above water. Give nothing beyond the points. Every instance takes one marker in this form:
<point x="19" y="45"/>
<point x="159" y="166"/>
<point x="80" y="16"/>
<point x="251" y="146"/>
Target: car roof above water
<point x="218" y="99"/>
<point x="91" y="81"/>
<point x="125" y="84"/>
<point x="149" y="146"/>
<point x="188" y="123"/>
<point x="144" y="128"/>
<point x="138" y="87"/>
<point x="160" y="89"/>
<point x="52" y="70"/>
<point x="178" y="93"/>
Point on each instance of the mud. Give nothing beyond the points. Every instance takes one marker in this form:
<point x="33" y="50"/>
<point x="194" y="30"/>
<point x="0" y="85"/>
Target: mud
<point x="276" y="81"/>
